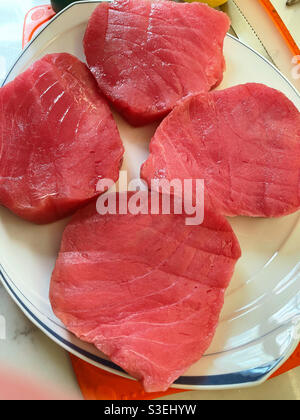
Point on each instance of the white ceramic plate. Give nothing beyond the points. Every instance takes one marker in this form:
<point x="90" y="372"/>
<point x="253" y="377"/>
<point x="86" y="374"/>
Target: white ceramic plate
<point x="258" y="329"/>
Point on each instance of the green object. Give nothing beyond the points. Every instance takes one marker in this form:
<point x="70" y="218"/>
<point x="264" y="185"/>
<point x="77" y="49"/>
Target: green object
<point x="59" y="5"/>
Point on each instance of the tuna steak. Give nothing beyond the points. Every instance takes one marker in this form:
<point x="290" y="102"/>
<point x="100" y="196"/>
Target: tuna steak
<point x="57" y="138"/>
<point x="146" y="290"/>
<point x="243" y="141"/>
<point x="147" y="54"/>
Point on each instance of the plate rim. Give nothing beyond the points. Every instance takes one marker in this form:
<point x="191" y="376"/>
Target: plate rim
<point x="241" y="379"/>
<point x="247" y="378"/>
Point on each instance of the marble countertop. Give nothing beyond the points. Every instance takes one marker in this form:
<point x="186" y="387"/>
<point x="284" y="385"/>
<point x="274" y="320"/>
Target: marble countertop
<point x="26" y="349"/>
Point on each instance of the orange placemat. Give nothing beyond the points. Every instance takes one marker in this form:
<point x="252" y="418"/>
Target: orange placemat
<point x="97" y="384"/>
<point x="34" y="19"/>
<point x="291" y="363"/>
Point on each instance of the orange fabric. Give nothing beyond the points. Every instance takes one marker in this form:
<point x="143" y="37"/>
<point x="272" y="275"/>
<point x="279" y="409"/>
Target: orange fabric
<point x="35" y="18"/>
<point x="291" y="363"/>
<point x="267" y="4"/>
<point x="97" y="384"/>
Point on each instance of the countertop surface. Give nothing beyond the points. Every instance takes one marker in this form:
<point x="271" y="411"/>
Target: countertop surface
<point x="27" y="350"/>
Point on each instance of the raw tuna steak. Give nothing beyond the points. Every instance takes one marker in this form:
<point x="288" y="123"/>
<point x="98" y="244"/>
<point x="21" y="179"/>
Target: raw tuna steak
<point x="146" y="290"/>
<point x="57" y="138"/>
<point x="243" y="141"/>
<point x="147" y="54"/>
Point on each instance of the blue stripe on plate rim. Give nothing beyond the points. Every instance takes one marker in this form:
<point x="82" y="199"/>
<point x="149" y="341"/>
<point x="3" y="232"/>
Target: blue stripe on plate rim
<point x="252" y="376"/>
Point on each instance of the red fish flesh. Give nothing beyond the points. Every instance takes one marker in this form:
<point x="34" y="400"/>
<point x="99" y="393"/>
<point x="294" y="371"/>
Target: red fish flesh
<point x="244" y="142"/>
<point x="146" y="290"/>
<point x="57" y="139"/>
<point x="146" y="55"/>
